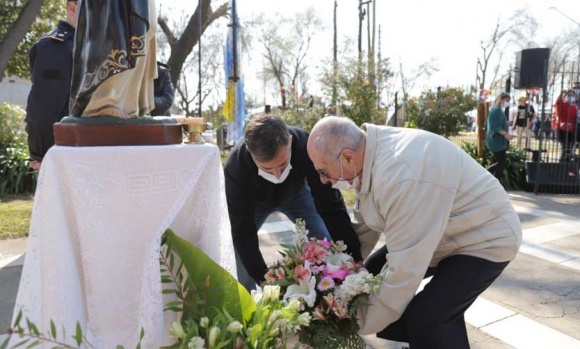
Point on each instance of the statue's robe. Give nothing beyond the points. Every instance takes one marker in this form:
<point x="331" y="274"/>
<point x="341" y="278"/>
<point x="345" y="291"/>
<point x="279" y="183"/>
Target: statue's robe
<point x="114" y="61"/>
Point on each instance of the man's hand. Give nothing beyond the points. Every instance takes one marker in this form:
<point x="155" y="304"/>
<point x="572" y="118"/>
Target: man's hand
<point x="35" y="165"/>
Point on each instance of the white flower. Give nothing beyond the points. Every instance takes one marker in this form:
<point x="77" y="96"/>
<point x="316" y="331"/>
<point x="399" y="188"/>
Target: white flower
<point x="304" y="319"/>
<point x="203" y="322"/>
<point x="359" y="283"/>
<point x="271" y="292"/>
<point x="334" y="262"/>
<point x="256" y="296"/>
<point x="234" y="326"/>
<point x="304" y="290"/>
<point x="176" y="330"/>
<point x="196" y="343"/>
<point x="295" y="305"/>
<point x="214" y="332"/>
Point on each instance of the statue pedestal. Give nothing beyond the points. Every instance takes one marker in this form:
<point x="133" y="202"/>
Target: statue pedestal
<point x="110" y="131"/>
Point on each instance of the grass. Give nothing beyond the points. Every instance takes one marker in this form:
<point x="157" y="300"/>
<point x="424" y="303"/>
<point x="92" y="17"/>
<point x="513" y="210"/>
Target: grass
<point x="349" y="197"/>
<point x="15" y="211"/>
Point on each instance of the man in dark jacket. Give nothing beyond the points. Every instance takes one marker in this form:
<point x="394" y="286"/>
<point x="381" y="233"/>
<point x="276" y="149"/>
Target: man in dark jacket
<point x="163" y="91"/>
<point x="270" y="171"/>
<point x="48" y="101"/>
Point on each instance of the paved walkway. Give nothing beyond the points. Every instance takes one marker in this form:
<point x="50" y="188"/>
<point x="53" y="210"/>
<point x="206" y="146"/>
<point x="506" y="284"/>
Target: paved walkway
<point x="535" y="303"/>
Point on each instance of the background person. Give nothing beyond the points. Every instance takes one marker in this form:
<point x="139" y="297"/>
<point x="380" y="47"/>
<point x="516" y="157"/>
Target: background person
<point x="440" y="216"/>
<point x="498" y="137"/>
<point x="567" y="113"/>
<point x="524" y="119"/>
<point x="163" y="91"/>
<point x="270" y="171"/>
<point x="50" y="68"/>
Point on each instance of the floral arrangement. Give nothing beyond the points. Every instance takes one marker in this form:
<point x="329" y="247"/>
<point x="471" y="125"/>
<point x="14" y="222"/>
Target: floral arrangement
<point x="216" y="311"/>
<point x="213" y="310"/>
<point x="329" y="285"/>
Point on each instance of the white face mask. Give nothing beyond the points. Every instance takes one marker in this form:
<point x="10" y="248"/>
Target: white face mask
<point x="505" y="104"/>
<point x="271" y="178"/>
<point x="343" y="184"/>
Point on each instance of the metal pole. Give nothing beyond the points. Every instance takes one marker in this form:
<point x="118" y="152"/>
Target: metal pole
<point x="200" y="5"/>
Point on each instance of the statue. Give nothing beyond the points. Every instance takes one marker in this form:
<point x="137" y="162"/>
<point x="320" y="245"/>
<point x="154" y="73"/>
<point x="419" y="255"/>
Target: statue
<point x="114" y="59"/>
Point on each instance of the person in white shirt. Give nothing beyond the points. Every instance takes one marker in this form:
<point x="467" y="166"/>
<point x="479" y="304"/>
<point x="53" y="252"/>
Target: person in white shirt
<point x="441" y="214"/>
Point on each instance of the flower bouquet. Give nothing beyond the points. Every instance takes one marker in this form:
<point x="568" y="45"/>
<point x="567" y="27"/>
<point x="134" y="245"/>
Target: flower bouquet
<point x="330" y="286"/>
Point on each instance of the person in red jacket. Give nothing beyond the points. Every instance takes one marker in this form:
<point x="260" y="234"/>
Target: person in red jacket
<point x="567" y="113"/>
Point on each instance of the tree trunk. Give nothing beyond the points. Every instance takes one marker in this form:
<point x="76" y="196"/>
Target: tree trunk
<point x="16" y="33"/>
<point x="190" y="37"/>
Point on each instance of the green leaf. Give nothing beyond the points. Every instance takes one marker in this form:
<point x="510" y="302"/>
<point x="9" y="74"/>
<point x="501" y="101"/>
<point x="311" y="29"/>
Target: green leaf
<point x="34" y="344"/>
<point x="4" y="344"/>
<point x="18" y="318"/>
<point x="224" y="288"/>
<point x="78" y="337"/>
<point x="52" y="329"/>
<point x="32" y="327"/>
<point x="21" y="343"/>
<point x="173" y="304"/>
<point x="169" y="291"/>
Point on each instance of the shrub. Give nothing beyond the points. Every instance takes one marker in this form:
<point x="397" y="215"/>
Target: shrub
<point x="515" y="172"/>
<point x="15" y="175"/>
<point x="11" y="125"/>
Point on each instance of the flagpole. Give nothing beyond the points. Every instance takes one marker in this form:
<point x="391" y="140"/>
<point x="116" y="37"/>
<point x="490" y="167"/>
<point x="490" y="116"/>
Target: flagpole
<point x="234" y="25"/>
<point x="200" y="5"/>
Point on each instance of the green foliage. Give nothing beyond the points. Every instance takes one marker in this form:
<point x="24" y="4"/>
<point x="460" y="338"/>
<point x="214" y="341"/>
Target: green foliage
<point x="217" y="311"/>
<point x="225" y="292"/>
<point x="443" y="112"/>
<point x="356" y="96"/>
<point x="300" y="114"/>
<point x="50" y="12"/>
<point x="15" y="175"/>
<point x="515" y="172"/>
<point x="11" y="125"/>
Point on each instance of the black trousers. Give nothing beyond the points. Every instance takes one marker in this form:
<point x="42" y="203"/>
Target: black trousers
<point x="434" y="318"/>
<point x="498" y="167"/>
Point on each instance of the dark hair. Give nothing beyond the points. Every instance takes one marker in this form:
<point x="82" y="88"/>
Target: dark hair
<point x="264" y="134"/>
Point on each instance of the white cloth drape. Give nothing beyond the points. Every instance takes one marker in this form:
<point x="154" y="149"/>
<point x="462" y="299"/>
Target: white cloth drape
<point x="93" y="248"/>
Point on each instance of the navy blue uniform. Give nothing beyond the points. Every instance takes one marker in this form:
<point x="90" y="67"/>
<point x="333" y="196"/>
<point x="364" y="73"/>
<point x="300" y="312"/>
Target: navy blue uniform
<point x="163" y="91"/>
<point x="51" y="67"/>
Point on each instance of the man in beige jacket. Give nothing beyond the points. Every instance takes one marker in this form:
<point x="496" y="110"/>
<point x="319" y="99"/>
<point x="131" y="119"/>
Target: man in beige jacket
<point x="442" y="215"/>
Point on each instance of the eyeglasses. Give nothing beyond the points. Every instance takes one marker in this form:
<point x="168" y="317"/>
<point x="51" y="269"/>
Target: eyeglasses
<point x="324" y="173"/>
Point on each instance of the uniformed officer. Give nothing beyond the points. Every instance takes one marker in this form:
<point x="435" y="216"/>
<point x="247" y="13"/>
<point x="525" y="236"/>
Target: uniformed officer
<point x="50" y="66"/>
<point x="163" y="91"/>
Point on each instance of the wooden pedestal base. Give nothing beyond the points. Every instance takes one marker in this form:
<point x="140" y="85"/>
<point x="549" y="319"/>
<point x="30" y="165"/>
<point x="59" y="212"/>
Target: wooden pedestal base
<point x="83" y="133"/>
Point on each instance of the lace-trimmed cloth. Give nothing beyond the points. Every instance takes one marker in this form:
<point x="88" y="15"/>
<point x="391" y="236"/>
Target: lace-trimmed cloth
<point x="93" y="248"/>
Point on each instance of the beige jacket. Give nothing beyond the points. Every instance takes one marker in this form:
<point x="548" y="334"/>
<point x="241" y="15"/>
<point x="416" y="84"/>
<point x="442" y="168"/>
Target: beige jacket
<point x="430" y="200"/>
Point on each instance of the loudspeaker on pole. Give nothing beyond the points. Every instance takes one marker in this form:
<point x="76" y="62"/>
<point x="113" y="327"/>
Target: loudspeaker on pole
<point x="531" y="68"/>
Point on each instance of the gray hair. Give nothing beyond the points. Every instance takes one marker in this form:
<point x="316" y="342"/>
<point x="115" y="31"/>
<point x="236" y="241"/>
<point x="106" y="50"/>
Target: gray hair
<point x="334" y="133"/>
<point x="264" y="134"/>
<point x="498" y="99"/>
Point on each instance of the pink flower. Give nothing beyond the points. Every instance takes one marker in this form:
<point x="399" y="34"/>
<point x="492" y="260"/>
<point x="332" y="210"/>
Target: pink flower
<point x="339" y="275"/>
<point x="325" y="243"/>
<point x="318" y="313"/>
<point x="325" y="283"/>
<point x="317" y="269"/>
<point x="330" y="300"/>
<point x="270" y="276"/>
<point x="340" y="310"/>
<point x="314" y="253"/>
<point x="302" y="272"/>
<point x="281" y="273"/>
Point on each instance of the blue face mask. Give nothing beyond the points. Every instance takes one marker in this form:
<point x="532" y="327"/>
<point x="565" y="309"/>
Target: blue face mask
<point x="505" y="104"/>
